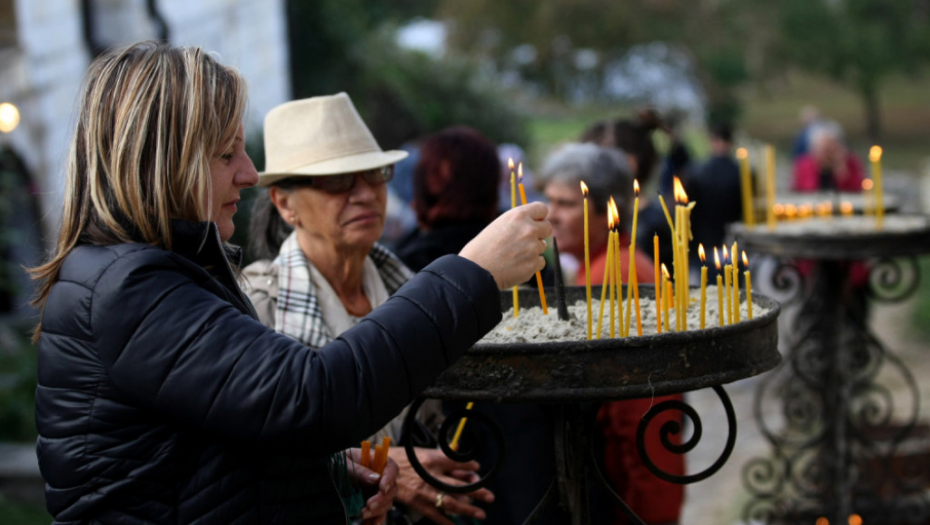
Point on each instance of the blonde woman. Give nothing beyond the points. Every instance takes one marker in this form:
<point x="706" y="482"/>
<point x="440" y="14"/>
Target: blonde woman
<point x="161" y="398"/>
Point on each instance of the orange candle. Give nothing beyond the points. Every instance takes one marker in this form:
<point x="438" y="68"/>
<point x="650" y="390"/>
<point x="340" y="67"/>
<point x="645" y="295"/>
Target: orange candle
<point x="365" y="460"/>
<point x="513" y="204"/>
<point x="539" y="283"/>
<point x="658" y="287"/>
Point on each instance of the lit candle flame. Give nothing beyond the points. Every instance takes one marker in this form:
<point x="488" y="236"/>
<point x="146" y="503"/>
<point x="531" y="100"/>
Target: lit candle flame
<point x="584" y="189"/>
<point x="665" y="271"/>
<point x="9" y="117"/>
<point x="520" y="172"/>
<point x="680" y="196"/>
<point x="636" y="187"/>
<point x="855" y="519"/>
<point x="846" y="208"/>
<point x="779" y="210"/>
<point x="791" y="210"/>
<point x="875" y="153"/>
<point x="510" y="163"/>
<point x="726" y="254"/>
<point x="742" y="153"/>
<point x="610" y="215"/>
<point x="701" y="253"/>
<point x="745" y="259"/>
<point x="867" y="184"/>
<point x="717" y="258"/>
<point x="612" y="205"/>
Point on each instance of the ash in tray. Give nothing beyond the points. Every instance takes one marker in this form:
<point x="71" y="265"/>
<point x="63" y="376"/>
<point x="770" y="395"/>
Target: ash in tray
<point x="534" y="327"/>
<point x="855" y="225"/>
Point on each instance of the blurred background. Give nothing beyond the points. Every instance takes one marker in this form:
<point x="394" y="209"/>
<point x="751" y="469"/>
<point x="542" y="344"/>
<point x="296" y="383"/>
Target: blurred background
<point x="528" y="73"/>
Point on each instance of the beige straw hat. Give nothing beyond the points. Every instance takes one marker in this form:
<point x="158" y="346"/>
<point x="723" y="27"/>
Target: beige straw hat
<point x="319" y="136"/>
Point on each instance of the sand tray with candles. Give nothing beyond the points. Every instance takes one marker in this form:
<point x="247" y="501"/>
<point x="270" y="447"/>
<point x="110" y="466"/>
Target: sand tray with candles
<point x="838" y="237"/>
<point x="537" y="358"/>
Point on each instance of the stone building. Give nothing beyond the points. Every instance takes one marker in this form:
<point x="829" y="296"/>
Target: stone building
<point x="45" y="47"/>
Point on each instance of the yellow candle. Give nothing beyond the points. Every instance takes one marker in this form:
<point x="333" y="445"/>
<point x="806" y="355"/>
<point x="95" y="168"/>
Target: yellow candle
<point x="513" y="204"/>
<point x="735" y="255"/>
<point x="667" y="294"/>
<point x="658" y="286"/>
<point x="875" y="156"/>
<point x="613" y="279"/>
<point x="454" y="444"/>
<point x="720" y="288"/>
<point x="678" y="267"/>
<point x="539" y="283"/>
<point x="617" y="268"/>
<point x="587" y="255"/>
<point x="606" y="283"/>
<point x="867" y="197"/>
<point x="748" y="285"/>
<point x="770" y="185"/>
<point x="749" y="214"/>
<point x="631" y="281"/>
<point x="703" y="282"/>
<point x="728" y="285"/>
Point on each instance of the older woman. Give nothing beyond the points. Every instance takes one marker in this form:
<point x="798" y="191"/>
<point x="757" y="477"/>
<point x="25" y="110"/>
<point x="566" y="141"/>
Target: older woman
<point x="161" y="398"/>
<point x="320" y="270"/>
<point x="829" y="165"/>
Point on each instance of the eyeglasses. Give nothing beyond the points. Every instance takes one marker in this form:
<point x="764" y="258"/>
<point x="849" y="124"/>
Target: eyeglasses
<point x="335" y="184"/>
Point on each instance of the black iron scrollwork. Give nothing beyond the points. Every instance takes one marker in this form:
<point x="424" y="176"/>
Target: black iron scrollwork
<point x="446" y="430"/>
<point x="894" y="280"/>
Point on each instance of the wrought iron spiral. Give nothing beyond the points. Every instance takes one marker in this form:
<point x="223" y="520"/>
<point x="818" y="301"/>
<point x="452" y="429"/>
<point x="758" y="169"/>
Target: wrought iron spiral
<point x="445" y="430"/>
<point x="672" y="428"/>
<point x="894" y="280"/>
<point x="787" y="281"/>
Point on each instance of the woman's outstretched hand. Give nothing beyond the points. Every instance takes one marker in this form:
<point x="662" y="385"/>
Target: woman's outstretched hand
<point x="417" y="495"/>
<point x="511" y="247"/>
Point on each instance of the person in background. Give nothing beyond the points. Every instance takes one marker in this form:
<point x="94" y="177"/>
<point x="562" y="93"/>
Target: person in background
<point x="454" y="194"/>
<point x="606" y="173"/>
<point x="319" y="269"/>
<point x="633" y="137"/>
<point x="808" y="117"/>
<point x="716" y="188"/>
<point x="829" y="165"/>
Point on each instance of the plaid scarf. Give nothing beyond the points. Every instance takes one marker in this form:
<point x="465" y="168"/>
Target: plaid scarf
<point x="298" y="312"/>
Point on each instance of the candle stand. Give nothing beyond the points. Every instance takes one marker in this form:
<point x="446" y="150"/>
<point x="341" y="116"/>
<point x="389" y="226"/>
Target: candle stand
<point x="846" y="450"/>
<point x="569" y="378"/>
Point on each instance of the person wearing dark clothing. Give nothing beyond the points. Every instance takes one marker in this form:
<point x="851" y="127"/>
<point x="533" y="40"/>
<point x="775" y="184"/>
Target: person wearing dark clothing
<point x="715" y="187"/>
<point x="161" y="398"/>
<point x="455" y="194"/>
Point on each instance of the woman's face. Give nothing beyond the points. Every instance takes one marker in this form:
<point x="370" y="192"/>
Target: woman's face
<point x="566" y="214"/>
<point x="230" y="171"/>
<point x="353" y="220"/>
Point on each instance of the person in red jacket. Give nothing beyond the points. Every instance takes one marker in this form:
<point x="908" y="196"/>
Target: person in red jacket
<point x="606" y="173"/>
<point x="829" y="165"/>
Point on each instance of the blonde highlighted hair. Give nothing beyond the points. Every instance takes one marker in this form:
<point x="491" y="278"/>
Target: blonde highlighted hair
<point x="150" y="119"/>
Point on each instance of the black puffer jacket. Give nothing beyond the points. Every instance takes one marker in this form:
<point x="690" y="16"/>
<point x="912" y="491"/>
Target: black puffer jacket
<point x="162" y="399"/>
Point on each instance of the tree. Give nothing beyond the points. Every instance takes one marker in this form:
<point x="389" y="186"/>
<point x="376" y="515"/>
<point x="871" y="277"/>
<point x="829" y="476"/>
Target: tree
<point x="858" y="43"/>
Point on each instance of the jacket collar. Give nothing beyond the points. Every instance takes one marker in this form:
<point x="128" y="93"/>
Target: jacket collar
<point x="194" y="240"/>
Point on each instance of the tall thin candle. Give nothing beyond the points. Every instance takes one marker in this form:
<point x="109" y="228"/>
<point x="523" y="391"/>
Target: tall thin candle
<point x="728" y="284"/>
<point x="513" y="204"/>
<point x="618" y="269"/>
<point x="667" y="294"/>
<point x="632" y="287"/>
<point x="735" y="255"/>
<point x="875" y="156"/>
<point x="770" y="185"/>
<point x="539" y="283"/>
<point x="720" y="289"/>
<point x="587" y="255"/>
<point x="658" y="287"/>
<point x="606" y="283"/>
<point x="748" y="285"/>
<point x="703" y="283"/>
<point x="867" y="196"/>
<point x="745" y="177"/>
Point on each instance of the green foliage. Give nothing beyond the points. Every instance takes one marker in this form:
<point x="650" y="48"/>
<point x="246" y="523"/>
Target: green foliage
<point x="18" y="368"/>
